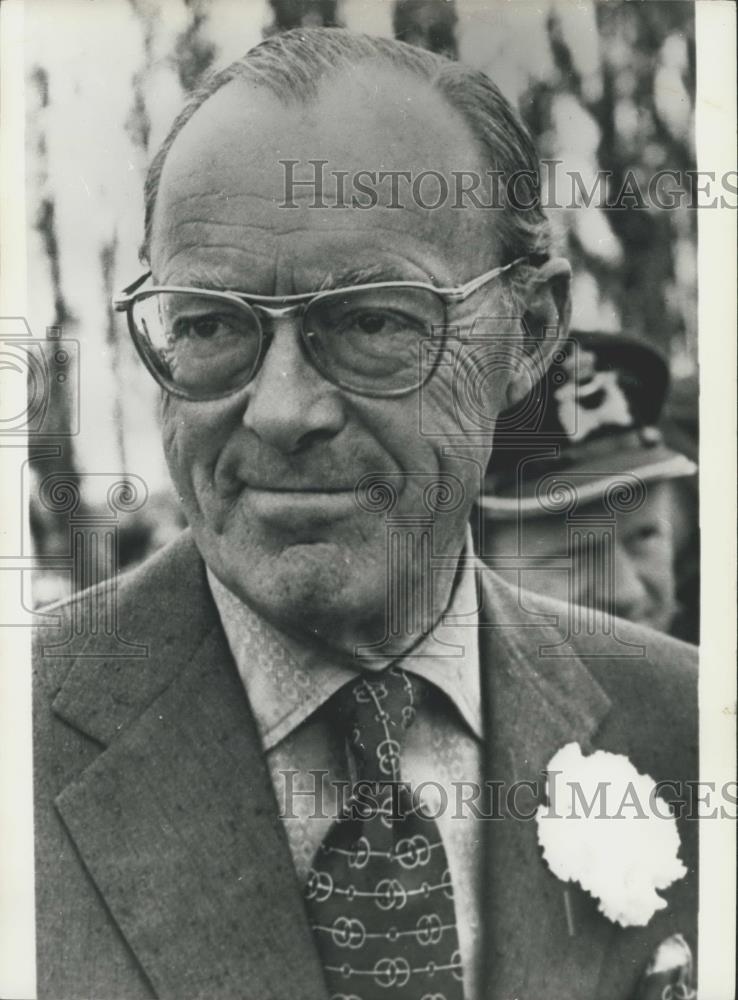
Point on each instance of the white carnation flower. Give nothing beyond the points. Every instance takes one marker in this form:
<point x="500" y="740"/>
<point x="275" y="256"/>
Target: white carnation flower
<point x="606" y="828"/>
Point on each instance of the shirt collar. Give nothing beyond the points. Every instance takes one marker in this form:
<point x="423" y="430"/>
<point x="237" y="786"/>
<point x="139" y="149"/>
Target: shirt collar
<point x="286" y="682"/>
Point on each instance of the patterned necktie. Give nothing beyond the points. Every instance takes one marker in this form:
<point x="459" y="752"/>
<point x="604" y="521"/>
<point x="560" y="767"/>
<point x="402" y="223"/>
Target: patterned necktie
<point x="379" y="895"/>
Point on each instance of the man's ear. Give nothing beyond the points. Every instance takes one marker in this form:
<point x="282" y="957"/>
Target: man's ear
<point x="547" y="299"/>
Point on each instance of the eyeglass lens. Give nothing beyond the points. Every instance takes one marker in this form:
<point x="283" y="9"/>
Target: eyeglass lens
<point x="367" y="340"/>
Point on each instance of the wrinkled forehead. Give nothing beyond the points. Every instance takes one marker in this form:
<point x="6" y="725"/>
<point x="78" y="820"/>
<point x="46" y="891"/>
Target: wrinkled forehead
<point x="256" y="168"/>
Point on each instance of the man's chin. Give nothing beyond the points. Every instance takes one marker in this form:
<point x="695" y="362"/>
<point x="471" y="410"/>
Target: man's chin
<point x="320" y="588"/>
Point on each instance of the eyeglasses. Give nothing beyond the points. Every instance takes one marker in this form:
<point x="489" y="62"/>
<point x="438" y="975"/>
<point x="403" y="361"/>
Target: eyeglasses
<point x="380" y="340"/>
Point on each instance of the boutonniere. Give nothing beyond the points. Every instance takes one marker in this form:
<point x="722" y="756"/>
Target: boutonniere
<point x="606" y="828"/>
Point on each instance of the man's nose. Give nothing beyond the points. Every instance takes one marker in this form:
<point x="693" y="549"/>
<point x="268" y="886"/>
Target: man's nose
<point x="631" y="596"/>
<point x="290" y="406"/>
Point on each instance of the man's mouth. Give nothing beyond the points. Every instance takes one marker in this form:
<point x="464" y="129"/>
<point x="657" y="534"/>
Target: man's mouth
<point x="298" y="488"/>
<point x="293" y="509"/>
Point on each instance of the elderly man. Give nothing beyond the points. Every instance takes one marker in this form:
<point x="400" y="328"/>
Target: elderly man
<point x="592" y="485"/>
<point x="288" y="795"/>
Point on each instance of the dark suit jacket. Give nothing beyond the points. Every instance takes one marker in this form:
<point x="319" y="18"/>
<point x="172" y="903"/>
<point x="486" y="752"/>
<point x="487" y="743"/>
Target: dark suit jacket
<point x="162" y="866"/>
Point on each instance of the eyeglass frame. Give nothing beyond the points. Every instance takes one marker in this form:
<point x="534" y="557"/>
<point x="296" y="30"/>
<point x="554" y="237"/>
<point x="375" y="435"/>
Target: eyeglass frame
<point x="296" y="305"/>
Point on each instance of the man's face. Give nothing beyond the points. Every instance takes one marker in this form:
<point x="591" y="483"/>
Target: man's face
<point x="642" y="557"/>
<point x="267" y="476"/>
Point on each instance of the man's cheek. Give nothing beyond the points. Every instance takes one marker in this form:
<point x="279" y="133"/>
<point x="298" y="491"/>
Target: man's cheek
<point x="181" y="457"/>
<point x="466" y="395"/>
<point x="659" y="576"/>
<point x="438" y="410"/>
<point x="172" y="451"/>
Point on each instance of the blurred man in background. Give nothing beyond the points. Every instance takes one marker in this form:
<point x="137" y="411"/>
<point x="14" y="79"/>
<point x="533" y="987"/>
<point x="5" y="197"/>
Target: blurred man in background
<point x="588" y="504"/>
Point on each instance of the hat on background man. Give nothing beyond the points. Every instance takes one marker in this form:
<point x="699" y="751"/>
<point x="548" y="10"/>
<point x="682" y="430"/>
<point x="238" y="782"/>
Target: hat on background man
<point x="597" y="414"/>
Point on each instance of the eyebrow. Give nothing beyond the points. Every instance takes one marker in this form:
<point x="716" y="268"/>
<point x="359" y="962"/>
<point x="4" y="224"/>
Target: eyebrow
<point x="344" y="277"/>
<point x="365" y="275"/>
<point x="207" y="278"/>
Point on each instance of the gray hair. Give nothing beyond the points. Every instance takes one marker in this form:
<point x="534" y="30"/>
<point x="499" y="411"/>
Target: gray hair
<point x="292" y="65"/>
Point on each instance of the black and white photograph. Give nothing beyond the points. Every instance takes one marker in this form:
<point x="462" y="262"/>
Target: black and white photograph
<point x="393" y="657"/>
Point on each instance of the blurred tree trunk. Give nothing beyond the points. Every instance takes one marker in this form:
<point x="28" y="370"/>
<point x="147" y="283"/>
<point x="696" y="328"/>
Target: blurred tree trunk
<point x="649" y="235"/>
<point x="429" y="24"/>
<point x="302" y="14"/>
<point x="108" y="255"/>
<point x="59" y="426"/>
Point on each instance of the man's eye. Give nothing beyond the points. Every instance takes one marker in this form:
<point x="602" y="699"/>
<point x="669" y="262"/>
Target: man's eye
<point x="643" y="535"/>
<point x="202" y="327"/>
<point x="371" y="322"/>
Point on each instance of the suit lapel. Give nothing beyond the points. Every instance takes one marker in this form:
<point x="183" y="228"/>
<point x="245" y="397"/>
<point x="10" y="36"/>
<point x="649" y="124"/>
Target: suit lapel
<point x="176" y="820"/>
<point x="538" y="928"/>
